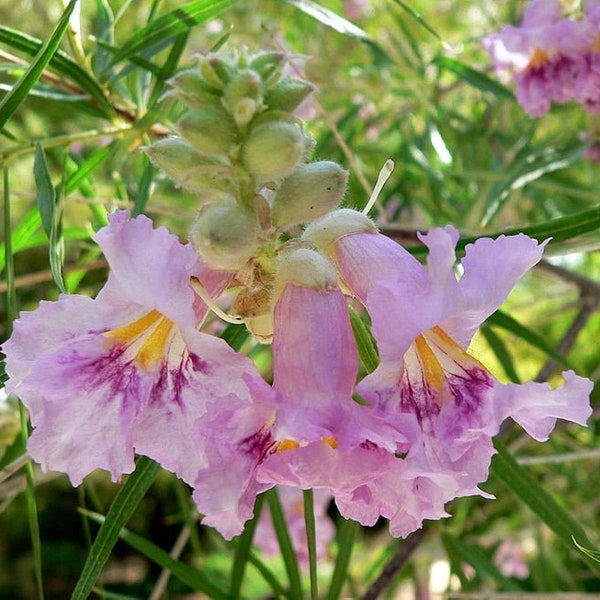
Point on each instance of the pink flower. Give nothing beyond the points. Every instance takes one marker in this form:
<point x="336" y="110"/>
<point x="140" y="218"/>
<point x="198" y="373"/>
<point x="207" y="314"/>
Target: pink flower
<point x="425" y="436"/>
<point x="129" y="371"/>
<point x="423" y="320"/>
<point x="549" y="57"/>
<point x="293" y="507"/>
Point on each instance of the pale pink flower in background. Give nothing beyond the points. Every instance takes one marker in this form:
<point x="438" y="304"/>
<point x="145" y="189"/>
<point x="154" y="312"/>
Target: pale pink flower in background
<point x="509" y="558"/>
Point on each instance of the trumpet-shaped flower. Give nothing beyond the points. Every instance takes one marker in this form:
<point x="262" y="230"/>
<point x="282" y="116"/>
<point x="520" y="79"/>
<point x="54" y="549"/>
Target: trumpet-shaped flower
<point x="128" y="371"/>
<point x="423" y="320"/>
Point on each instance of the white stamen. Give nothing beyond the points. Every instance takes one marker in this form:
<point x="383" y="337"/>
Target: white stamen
<point x="203" y="293"/>
<point x="384" y="175"/>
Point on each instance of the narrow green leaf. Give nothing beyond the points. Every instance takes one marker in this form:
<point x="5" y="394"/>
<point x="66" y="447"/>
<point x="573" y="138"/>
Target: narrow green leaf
<point x="123" y="506"/>
<point x="144" y="187"/>
<point x="12" y="100"/>
<point x="329" y="18"/>
<point x="75" y="179"/>
<point x="171" y="24"/>
<point x="505" y="321"/>
<point x="593" y="554"/>
<point x="50" y="207"/>
<point x="285" y="544"/>
<point x="559" y="520"/>
<point x="169" y="67"/>
<point x="346" y="533"/>
<point x="46" y="194"/>
<point x="529" y="167"/>
<point x="474" y="78"/>
<point x="61" y="63"/>
<point x="502" y="354"/>
<point x="186" y="574"/>
<point x="311" y="541"/>
<point x="367" y="349"/>
<point x="243" y="548"/>
<point x="559" y="230"/>
<point x="417" y="16"/>
<point x="267" y="575"/>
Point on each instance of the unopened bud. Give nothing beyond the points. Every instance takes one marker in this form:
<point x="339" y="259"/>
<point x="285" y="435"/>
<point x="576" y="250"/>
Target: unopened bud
<point x="243" y="97"/>
<point x="310" y="192"/>
<point x="273" y="150"/>
<point x="269" y="65"/>
<point x="307" y="268"/>
<point x="210" y="131"/>
<point x="329" y="229"/>
<point x="174" y="156"/>
<point x="191" y="88"/>
<point x="225" y="235"/>
<point x="288" y="94"/>
<point x="216" y="71"/>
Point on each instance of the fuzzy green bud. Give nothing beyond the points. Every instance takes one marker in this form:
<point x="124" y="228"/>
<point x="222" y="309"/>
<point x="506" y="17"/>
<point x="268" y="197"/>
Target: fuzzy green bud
<point x="268" y="65"/>
<point x="335" y="225"/>
<point x="243" y="97"/>
<point x="307" y="268"/>
<point x="191" y="88"/>
<point x="273" y="150"/>
<point x="225" y="235"/>
<point x="210" y="131"/>
<point x="288" y="94"/>
<point x="310" y="192"/>
<point x="174" y="156"/>
<point x="195" y="173"/>
<point x="217" y="71"/>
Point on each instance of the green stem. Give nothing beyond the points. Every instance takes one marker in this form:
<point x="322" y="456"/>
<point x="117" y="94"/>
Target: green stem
<point x="311" y="540"/>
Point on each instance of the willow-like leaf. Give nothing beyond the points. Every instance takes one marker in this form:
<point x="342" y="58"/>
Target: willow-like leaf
<point x="173" y="23"/>
<point x="346" y="533"/>
<point x="559" y="520"/>
<point x="12" y="100"/>
<point x="285" y="544"/>
<point x="243" y="548"/>
<point x="123" y="506"/>
<point x="186" y="574"/>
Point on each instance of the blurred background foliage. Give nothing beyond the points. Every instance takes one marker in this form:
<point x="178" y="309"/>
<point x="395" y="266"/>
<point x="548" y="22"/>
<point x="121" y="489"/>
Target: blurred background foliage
<point x="406" y="80"/>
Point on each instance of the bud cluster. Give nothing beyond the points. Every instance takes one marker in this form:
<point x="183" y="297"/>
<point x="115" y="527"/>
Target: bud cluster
<point x="241" y="149"/>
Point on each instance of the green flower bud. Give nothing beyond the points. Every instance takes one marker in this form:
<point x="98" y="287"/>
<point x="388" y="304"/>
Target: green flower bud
<point x="273" y="150"/>
<point x="191" y="88"/>
<point x="210" y="131"/>
<point x="225" y="235"/>
<point x="174" y="156"/>
<point x="310" y="192"/>
<point x="243" y="97"/>
<point x="216" y="70"/>
<point x="304" y="267"/>
<point x="268" y="65"/>
<point x="334" y="225"/>
<point x="189" y="170"/>
<point x="288" y="94"/>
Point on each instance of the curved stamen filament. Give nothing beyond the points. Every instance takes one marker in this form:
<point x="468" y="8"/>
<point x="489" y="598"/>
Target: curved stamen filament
<point x="205" y="296"/>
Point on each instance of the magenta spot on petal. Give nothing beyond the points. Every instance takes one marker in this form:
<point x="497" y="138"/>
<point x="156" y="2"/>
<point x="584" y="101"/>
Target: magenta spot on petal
<point x="258" y="444"/>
